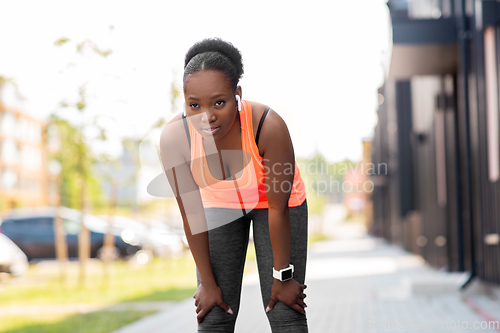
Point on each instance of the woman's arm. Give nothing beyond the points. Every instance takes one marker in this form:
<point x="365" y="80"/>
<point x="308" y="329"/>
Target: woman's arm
<point x="191" y="208"/>
<point x="174" y="152"/>
<point x="279" y="166"/>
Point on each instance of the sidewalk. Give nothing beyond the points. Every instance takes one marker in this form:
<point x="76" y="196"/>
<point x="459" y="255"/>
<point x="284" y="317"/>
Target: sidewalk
<point x="357" y="283"/>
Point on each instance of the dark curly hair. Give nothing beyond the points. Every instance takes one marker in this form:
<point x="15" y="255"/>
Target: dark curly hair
<point x="214" y="53"/>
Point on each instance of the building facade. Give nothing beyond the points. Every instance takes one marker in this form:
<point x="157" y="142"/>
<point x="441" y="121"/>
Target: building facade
<point x="24" y="180"/>
<point x="438" y="132"/>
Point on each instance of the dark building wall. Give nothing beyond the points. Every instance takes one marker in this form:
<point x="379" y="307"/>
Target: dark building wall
<point x="434" y="133"/>
<point x="485" y="192"/>
<point x="379" y="157"/>
<point x="393" y="224"/>
<point x="405" y="150"/>
<point x="453" y="184"/>
<point x="429" y="179"/>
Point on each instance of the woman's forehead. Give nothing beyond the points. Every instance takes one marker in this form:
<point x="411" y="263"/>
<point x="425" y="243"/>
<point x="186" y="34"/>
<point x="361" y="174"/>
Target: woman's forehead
<point x="207" y="82"/>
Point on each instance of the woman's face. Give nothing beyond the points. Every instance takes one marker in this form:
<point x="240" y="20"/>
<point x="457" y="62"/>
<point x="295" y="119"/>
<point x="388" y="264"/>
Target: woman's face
<point x="210" y="102"/>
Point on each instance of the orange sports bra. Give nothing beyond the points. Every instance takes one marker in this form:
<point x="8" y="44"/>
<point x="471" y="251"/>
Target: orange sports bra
<point x="247" y="191"/>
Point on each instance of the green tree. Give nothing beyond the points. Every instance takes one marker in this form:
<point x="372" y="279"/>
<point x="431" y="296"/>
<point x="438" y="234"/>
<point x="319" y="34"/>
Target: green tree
<point x="80" y="169"/>
<point x="76" y="159"/>
<point x="322" y="179"/>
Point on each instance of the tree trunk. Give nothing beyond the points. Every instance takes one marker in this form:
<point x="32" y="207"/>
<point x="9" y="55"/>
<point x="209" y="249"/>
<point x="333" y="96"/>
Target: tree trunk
<point x="109" y="238"/>
<point x="83" y="238"/>
<point x="61" y="243"/>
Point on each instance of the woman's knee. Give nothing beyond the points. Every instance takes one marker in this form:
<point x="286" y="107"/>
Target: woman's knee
<point x="218" y="320"/>
<point x="282" y="318"/>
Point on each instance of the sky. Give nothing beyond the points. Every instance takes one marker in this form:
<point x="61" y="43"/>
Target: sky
<point x="317" y="63"/>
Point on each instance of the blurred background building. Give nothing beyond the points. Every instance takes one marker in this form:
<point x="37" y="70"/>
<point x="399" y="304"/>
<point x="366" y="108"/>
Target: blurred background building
<point x="438" y="133"/>
<point x="23" y="177"/>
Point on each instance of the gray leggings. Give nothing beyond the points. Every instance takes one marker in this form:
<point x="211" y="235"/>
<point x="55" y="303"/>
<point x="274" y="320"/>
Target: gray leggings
<point x="228" y="246"/>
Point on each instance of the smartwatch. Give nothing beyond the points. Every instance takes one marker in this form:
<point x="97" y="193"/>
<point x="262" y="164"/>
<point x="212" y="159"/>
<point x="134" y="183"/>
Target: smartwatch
<point x="283" y="274"/>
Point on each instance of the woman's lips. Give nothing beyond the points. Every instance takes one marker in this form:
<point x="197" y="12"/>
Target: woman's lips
<point x="210" y="130"/>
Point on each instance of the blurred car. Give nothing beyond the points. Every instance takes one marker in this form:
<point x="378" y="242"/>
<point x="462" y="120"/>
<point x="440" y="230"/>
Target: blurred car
<point x="166" y="240"/>
<point x="162" y="239"/>
<point x="12" y="259"/>
<point x="33" y="231"/>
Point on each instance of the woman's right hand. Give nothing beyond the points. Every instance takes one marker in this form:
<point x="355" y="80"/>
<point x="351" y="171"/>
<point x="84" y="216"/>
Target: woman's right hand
<point x="206" y="297"/>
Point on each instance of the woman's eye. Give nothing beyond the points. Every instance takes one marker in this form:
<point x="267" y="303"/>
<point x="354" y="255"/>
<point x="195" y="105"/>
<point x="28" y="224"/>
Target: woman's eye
<point x="193" y="105"/>
<point x="219" y="103"/>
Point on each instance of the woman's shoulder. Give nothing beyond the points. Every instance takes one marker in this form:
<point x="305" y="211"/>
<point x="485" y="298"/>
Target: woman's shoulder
<point x="273" y="129"/>
<point x="174" y="136"/>
<point x="177" y="117"/>
<point x="173" y="127"/>
<point x="257" y="112"/>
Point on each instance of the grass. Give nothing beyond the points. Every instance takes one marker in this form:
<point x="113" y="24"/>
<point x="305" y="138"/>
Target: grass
<point x="94" y="322"/>
<point x="160" y="280"/>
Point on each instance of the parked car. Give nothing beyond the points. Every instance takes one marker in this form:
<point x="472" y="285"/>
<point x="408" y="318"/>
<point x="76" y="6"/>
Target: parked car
<point x="12" y="259"/>
<point x="162" y="239"/>
<point x="33" y="231"/>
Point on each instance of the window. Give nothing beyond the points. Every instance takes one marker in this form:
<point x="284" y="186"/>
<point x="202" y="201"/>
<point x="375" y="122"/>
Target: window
<point x="36" y="225"/>
<point x="31" y="157"/>
<point x="34" y="132"/>
<point x="427" y="9"/>
<point x="9" y="152"/>
<point x="8" y="124"/>
<point x="9" y="179"/>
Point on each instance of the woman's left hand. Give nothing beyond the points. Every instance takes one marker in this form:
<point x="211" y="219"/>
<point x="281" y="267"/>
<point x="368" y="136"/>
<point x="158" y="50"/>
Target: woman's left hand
<point x="289" y="292"/>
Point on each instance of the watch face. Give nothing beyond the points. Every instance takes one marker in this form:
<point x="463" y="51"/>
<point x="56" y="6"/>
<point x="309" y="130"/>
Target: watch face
<point x="286" y="274"/>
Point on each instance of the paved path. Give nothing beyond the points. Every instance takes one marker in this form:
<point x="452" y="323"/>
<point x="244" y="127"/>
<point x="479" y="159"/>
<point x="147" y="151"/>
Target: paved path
<point x="358" y="284"/>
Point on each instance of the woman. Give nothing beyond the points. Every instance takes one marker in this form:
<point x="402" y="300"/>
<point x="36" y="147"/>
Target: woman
<point x="230" y="162"/>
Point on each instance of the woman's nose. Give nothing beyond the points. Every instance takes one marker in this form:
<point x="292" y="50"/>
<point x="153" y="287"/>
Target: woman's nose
<point x="209" y="116"/>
